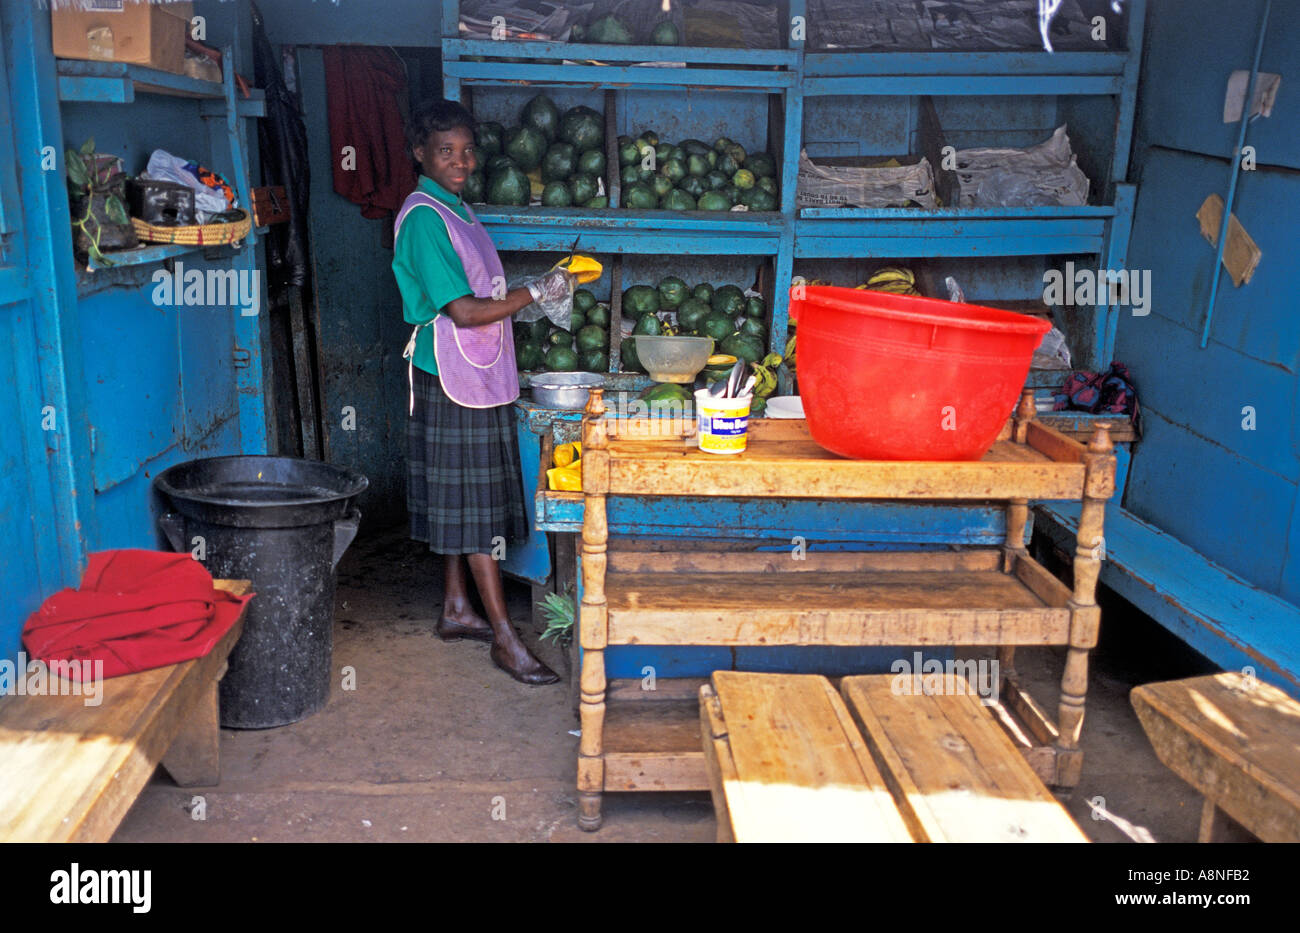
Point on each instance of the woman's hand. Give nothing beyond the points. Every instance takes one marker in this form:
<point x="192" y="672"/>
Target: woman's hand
<point x="553" y="288"/>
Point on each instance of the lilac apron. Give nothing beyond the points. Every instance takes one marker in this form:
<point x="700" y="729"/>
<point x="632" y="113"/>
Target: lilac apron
<point x="475" y="364"/>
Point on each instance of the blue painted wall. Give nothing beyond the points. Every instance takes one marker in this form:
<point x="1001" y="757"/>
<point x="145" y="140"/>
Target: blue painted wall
<point x="359" y="323"/>
<point x="330" y="22"/>
<point x="1200" y="472"/>
<point x="107" y="387"/>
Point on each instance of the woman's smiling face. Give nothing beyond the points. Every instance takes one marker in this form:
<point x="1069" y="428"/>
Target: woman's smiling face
<point x="447" y="157"/>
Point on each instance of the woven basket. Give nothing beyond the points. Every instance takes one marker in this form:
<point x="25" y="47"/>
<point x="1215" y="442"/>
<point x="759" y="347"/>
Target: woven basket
<point x="198" y="235"/>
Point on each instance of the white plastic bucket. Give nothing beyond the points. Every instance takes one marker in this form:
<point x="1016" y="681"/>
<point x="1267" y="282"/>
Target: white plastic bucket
<point x="723" y="422"/>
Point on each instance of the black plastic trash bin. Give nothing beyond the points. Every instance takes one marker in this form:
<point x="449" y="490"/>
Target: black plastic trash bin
<point x="282" y="523"/>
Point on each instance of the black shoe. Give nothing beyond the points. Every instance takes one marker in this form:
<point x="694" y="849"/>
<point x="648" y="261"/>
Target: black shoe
<point x="537" y="677"/>
<point x="453" y="631"/>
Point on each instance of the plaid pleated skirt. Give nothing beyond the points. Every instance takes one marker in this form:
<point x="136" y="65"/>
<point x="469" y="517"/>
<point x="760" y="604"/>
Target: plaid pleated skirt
<point x="464" y="489"/>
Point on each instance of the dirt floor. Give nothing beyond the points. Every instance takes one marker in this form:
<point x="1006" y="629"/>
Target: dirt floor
<point x="435" y="744"/>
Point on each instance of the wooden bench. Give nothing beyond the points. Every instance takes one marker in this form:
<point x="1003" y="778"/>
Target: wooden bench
<point x="71" y="772"/>
<point x="1236" y="740"/>
<point x="789" y="760"/>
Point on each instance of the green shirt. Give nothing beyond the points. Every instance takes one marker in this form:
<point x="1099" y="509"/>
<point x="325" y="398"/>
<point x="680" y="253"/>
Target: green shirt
<point x="429" y="273"/>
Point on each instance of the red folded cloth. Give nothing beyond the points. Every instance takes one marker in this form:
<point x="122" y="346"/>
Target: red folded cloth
<point x="135" y="610"/>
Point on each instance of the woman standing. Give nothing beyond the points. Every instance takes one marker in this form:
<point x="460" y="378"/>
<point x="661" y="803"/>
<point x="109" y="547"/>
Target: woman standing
<point x="464" y="491"/>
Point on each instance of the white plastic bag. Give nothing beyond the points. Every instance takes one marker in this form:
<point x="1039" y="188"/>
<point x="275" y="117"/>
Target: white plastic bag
<point x="163" y="166"/>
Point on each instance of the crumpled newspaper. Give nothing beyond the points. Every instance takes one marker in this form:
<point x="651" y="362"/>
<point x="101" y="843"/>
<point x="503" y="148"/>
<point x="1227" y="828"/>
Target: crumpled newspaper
<point x="1043" y="175"/>
<point x="852" y="186"/>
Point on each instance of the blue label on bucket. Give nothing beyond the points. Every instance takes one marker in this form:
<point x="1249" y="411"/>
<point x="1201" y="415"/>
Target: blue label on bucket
<point x="723" y="427"/>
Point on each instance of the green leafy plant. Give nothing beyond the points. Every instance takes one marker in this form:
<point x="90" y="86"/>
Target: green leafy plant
<point x="559" y="613"/>
<point x="87" y="180"/>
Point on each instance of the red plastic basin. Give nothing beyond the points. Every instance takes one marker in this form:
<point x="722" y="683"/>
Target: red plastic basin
<point x="892" y="377"/>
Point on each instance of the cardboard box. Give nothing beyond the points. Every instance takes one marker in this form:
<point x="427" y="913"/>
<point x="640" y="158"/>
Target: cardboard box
<point x="133" y="31"/>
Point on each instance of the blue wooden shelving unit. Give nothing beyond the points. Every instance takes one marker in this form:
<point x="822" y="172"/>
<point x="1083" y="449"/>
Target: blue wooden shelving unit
<point x="793" y="76"/>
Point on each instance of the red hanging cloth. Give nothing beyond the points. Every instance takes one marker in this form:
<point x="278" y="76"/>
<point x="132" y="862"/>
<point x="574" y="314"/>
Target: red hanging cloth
<point x="367" y="132"/>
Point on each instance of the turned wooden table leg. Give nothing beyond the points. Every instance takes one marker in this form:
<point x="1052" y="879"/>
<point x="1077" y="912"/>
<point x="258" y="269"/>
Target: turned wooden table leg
<point x="1085" y="615"/>
<point x="1017" y="520"/>
<point x="593" y="619"/>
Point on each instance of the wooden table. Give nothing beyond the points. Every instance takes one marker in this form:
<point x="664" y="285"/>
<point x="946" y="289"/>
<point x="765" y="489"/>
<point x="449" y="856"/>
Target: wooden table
<point x="70" y="771"/>
<point x="791" y="760"/>
<point x="1237" y="741"/>
<point x="989" y="596"/>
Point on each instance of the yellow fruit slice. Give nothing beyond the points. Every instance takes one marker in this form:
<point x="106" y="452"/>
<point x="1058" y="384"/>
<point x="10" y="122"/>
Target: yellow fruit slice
<point x="567" y="454"/>
<point x="584" y="268"/>
<point x="721" y="359"/>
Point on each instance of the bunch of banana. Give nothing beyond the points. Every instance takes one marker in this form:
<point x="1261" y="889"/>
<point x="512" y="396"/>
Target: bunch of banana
<point x="765" y="376"/>
<point x="790" y="349"/>
<point x="892" y="279"/>
<point x="668" y="329"/>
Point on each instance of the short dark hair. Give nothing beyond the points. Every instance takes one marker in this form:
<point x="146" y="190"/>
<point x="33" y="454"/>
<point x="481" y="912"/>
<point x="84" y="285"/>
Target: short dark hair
<point x="436" y="116"/>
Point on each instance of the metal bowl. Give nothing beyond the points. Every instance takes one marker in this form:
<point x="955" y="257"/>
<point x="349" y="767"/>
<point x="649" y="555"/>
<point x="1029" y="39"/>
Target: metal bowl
<point x="563" y="390"/>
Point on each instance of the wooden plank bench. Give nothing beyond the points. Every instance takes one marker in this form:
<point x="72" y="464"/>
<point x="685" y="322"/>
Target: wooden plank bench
<point x="788" y="759"/>
<point x="71" y="771"/>
<point x="1236" y="740"/>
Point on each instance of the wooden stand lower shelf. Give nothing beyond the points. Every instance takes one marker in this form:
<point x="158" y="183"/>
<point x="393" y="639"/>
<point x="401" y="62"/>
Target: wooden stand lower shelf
<point x="652" y="737"/>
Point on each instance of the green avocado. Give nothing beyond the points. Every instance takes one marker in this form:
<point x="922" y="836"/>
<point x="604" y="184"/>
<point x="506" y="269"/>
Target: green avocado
<point x="591" y="337"/>
<point x="640" y="197"/>
<point x="542" y="115"/>
<point x="509" y="186"/>
<point x="487" y="139"/>
<point x="583" y="128"/>
<point x="672" y="292"/>
<point x="665" y="33"/>
<point x="627" y="354"/>
<point x="528" y="356"/>
<point x="559" y="162"/>
<point x="526" y="146"/>
<point x="729" y="300"/>
<point x="556" y="194"/>
<point x="592" y="162"/>
<point x="640" y="300"/>
<point x="594" y="361"/>
<point x="673" y="169"/>
<point x="677" y="200"/>
<point x="648" y="325"/>
<point x="761" y="164"/>
<point x="474" y="188"/>
<point x="691" y="314"/>
<point x="719" y="327"/>
<point x="693" y="185"/>
<point x="561" y="360"/>
<point x="713" y="201"/>
<point x="744" y="346"/>
<point x="609" y="30"/>
<point x="583" y="188"/>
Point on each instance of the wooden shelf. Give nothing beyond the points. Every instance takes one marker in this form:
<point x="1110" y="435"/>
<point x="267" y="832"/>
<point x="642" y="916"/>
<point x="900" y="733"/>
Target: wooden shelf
<point x="867" y="599"/>
<point x="118" y="83"/>
<point x="652" y="738"/>
<point x="781" y="460"/>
